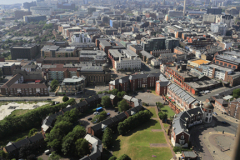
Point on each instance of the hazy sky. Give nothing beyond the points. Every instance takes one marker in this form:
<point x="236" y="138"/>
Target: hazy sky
<point x="14" y="1"/>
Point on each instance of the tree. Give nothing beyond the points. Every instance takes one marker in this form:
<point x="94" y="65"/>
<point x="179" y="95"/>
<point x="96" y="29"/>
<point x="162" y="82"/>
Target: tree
<point x="82" y="147"/>
<point x="123" y="105"/>
<point x="115" y="92"/>
<point x="121" y="94"/>
<point x="112" y="158"/>
<point x="124" y="157"/>
<point x="236" y="93"/>
<point x="54" y="156"/>
<point x="3" y="155"/>
<point x="159" y="105"/>
<point x="32" y="131"/>
<point x="54" y="84"/>
<point x="107" y="137"/>
<point x="1" y="75"/>
<point x="106" y="102"/>
<point x="67" y="145"/>
<point x="65" y="98"/>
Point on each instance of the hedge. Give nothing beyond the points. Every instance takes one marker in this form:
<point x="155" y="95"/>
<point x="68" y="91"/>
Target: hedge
<point x="14" y="124"/>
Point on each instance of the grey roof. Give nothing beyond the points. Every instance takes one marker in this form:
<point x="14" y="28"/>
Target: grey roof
<point x="189" y="154"/>
<point x="181" y="93"/>
<point x="115" y="53"/>
<point x="129" y="53"/>
<point x="104" y="43"/>
<point x="50" y="48"/>
<point x="146" y="54"/>
<point x="126" y="97"/>
<point x="91" y="69"/>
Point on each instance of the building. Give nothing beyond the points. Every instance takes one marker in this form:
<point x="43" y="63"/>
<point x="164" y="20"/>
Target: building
<point x="81" y="37"/>
<point x="220" y="28"/>
<point x="20" y="13"/>
<point x="25" y="52"/>
<point x="56" y="51"/>
<point x="171" y="43"/>
<point x="72" y="85"/>
<point x="127" y="60"/>
<point x="17" y="86"/>
<point x="146" y="57"/>
<point x="180" y="135"/>
<point x="214" y="10"/>
<point x="9" y="67"/>
<point x="34" y="18"/>
<point x="227" y="60"/>
<point x="191" y="80"/>
<point x="182" y="99"/>
<point x="41" y="10"/>
<point x="96" y="56"/>
<point x="12" y="148"/>
<point x="95" y="75"/>
<point x="226" y="19"/>
<point x="154" y="44"/>
<point x="137" y="81"/>
<point x="209" y="18"/>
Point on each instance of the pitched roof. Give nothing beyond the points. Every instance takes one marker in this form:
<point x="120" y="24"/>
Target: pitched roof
<point x="26" y="85"/>
<point x="12" y="81"/>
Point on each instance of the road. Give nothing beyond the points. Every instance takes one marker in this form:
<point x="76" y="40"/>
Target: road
<point x="212" y="93"/>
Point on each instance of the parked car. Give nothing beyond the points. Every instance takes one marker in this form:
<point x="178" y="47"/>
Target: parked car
<point x="108" y="114"/>
<point x="116" y="110"/>
<point x="89" y="119"/>
<point x="95" y="113"/>
<point x="224" y="122"/>
<point x="47" y="152"/>
<point x="215" y="113"/>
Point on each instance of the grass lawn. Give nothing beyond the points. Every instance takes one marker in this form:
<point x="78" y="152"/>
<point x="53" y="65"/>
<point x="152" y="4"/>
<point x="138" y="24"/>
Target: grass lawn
<point x="136" y="144"/>
<point x="165" y="125"/>
<point x="19" y="112"/>
<point x="168" y="110"/>
<point x="153" y="110"/>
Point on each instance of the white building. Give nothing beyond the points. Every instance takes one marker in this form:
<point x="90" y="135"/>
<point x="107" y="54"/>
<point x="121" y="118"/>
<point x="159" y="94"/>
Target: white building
<point x="38" y="10"/>
<point x="124" y="61"/>
<point x="209" y="18"/>
<point x="219" y="28"/>
<point x="227" y="19"/>
<point x="81" y="37"/>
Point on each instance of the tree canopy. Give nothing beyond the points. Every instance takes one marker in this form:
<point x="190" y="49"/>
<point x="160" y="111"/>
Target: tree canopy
<point x="65" y="98"/>
<point x="106" y="102"/>
<point x="124" y="157"/>
<point x="107" y="137"/>
<point x="123" y="105"/>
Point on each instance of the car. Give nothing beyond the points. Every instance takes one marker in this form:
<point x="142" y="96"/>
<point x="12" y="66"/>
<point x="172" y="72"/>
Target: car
<point x="79" y="92"/>
<point x="215" y="113"/>
<point x="116" y="110"/>
<point x="108" y="114"/>
<point x="89" y="119"/>
<point x="96" y="113"/>
<point x="49" y="99"/>
<point x="47" y="152"/>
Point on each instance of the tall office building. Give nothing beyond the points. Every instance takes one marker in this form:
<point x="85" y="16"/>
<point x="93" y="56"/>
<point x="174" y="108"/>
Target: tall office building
<point x="184" y="8"/>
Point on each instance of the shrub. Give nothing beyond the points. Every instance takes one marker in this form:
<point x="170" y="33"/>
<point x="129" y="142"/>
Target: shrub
<point x="65" y="98"/>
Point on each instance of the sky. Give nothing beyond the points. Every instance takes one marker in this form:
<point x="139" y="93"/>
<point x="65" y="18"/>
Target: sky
<point x="14" y="1"/>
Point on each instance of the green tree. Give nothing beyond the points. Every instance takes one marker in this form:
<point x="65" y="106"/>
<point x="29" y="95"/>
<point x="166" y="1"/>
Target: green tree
<point x="65" y="98"/>
<point x="106" y="102"/>
<point x="123" y="105"/>
<point x="3" y="155"/>
<point x="124" y="157"/>
<point x="107" y="137"/>
<point x="112" y="158"/>
<point x="115" y="92"/>
<point x="54" y="84"/>
<point x="159" y="105"/>
<point x="68" y="145"/>
<point x="32" y="131"/>
<point x="236" y="93"/>
<point x="121" y="94"/>
<point x="82" y="147"/>
<point x="54" y="156"/>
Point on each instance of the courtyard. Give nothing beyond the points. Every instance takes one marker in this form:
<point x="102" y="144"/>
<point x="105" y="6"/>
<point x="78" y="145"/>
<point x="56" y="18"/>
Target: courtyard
<point x="143" y="143"/>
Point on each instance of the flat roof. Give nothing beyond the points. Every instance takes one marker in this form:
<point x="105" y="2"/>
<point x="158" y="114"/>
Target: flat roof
<point x="200" y="61"/>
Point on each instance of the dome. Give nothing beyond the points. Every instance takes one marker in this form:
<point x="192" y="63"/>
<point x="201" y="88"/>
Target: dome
<point x="208" y="106"/>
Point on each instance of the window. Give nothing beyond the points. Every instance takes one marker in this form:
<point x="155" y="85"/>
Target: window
<point x="182" y="136"/>
<point x="221" y="63"/>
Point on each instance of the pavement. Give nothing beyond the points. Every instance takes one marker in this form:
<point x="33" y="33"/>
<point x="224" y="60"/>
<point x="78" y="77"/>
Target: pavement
<point x="149" y="98"/>
<point x="204" y="144"/>
<point x="6" y="111"/>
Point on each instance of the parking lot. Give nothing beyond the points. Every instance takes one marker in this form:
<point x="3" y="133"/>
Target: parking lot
<point x="87" y="123"/>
